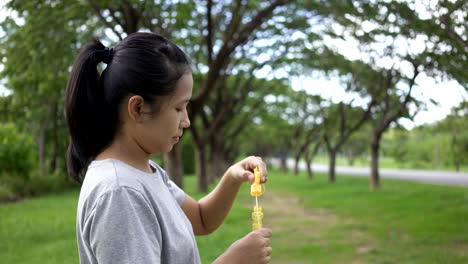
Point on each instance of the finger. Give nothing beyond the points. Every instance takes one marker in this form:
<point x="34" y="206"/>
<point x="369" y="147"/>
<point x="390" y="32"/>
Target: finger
<point x="248" y="176"/>
<point x="267" y="242"/>
<point x="265" y="232"/>
<point x="253" y="162"/>
<point x="264" y="178"/>
<point x="267" y="251"/>
<point x="263" y="169"/>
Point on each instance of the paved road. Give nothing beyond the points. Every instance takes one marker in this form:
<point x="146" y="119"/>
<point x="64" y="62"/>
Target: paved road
<point x="437" y="177"/>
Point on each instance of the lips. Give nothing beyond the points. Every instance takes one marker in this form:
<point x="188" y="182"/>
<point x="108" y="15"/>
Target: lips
<point x="177" y="138"/>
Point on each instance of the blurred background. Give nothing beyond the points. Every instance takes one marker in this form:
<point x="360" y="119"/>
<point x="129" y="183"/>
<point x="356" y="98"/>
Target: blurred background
<point x="322" y="90"/>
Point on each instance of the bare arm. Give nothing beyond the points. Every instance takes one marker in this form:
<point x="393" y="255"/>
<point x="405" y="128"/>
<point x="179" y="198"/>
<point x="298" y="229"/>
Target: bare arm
<point x="209" y="213"/>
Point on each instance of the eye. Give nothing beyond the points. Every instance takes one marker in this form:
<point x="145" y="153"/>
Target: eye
<point x="182" y="107"/>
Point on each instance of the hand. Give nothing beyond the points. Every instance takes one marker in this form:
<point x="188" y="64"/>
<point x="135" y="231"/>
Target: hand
<point x="243" y="170"/>
<point x="254" y="248"/>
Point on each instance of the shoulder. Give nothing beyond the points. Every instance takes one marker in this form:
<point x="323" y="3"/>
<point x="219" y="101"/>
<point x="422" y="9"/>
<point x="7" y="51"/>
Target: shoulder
<point x="106" y="176"/>
<point x="108" y="180"/>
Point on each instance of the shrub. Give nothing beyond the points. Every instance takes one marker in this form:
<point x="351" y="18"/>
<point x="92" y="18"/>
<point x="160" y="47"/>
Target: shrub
<point x="16" y="152"/>
<point x="16" y="162"/>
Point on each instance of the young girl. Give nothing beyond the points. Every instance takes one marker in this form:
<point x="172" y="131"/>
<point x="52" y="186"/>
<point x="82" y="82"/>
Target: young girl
<point x="129" y="211"/>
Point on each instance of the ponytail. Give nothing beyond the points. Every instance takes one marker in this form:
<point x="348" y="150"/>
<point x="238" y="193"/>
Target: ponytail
<point x="85" y="107"/>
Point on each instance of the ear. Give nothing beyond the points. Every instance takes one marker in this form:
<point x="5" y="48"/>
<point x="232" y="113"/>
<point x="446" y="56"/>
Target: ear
<point x="135" y="107"/>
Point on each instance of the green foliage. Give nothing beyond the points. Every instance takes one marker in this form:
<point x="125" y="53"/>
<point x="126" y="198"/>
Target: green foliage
<point x="357" y="146"/>
<point x="18" y="167"/>
<point x="188" y="154"/>
<point x="43" y="38"/>
<point x="443" y="145"/>
<point x="37" y="52"/>
<point x="16" y="152"/>
<point x="455" y="126"/>
<point x="6" y="114"/>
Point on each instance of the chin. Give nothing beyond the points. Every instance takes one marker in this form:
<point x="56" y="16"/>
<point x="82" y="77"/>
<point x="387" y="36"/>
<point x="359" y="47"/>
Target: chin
<point x="168" y="149"/>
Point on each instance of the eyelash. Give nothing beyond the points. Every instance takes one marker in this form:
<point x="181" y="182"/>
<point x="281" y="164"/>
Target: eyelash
<point x="181" y="108"/>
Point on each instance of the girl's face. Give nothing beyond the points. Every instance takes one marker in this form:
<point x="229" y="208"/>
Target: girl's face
<point x="162" y="130"/>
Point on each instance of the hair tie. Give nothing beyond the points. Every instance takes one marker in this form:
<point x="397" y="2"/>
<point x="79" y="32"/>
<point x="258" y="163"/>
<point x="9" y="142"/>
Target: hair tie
<point x="105" y="55"/>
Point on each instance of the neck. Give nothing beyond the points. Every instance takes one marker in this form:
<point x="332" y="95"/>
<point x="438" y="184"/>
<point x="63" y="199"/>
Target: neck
<point x="126" y="150"/>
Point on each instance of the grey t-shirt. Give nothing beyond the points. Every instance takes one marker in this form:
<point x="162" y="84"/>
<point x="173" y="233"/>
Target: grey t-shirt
<point x="128" y="216"/>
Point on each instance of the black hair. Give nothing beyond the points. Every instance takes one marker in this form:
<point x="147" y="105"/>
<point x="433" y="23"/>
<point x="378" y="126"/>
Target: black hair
<point x="145" y="64"/>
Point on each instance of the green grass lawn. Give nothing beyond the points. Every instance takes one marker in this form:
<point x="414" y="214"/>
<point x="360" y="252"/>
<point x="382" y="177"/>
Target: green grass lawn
<point x="404" y="222"/>
<point x="312" y="221"/>
<point x="39" y="230"/>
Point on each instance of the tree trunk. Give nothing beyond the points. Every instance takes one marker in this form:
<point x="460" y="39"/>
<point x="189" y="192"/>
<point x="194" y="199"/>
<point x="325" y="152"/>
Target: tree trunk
<point x="296" y="164"/>
<point x="200" y="168"/>
<point x="284" y="162"/>
<point x="308" y="161"/>
<point x="218" y="164"/>
<point x="40" y="139"/>
<point x="174" y="166"/>
<point x="375" y="178"/>
<point x="309" y="157"/>
<point x="332" y="165"/>
<point x="55" y="143"/>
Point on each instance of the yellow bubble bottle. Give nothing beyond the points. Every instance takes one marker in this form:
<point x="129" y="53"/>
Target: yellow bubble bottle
<point x="257" y="218"/>
<point x="256" y="190"/>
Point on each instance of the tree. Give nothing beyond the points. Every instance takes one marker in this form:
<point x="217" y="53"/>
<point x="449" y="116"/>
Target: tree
<point x="456" y="126"/>
<point x="389" y="22"/>
<point x="218" y="36"/>
<point x="391" y="107"/>
<point x="270" y="132"/>
<point x="433" y="60"/>
<point x="303" y="115"/>
<point x="38" y="50"/>
<point x="340" y="122"/>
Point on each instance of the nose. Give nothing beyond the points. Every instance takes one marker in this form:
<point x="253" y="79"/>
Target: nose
<point x="185" y="122"/>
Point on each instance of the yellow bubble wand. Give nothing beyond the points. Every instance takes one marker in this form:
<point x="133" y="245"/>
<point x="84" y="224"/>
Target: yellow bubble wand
<point x="256" y="190"/>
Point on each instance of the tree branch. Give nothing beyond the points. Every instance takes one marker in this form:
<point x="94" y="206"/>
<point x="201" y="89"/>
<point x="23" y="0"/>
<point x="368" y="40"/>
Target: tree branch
<point x="392" y="118"/>
<point x="445" y="20"/>
<point x="222" y="59"/>
<point x="209" y="36"/>
<point x="103" y="19"/>
<point x="235" y="21"/>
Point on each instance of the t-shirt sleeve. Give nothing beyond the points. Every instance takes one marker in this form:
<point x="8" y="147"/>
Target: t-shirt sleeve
<point x="177" y="192"/>
<point x="123" y="228"/>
